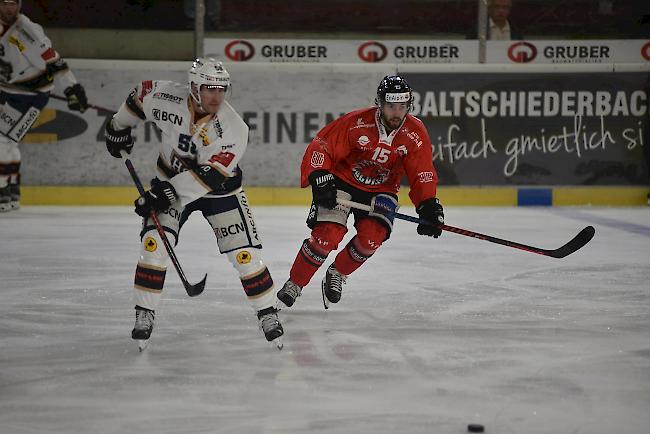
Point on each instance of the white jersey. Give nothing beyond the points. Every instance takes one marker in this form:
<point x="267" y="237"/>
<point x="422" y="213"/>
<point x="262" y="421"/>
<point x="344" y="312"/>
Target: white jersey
<point x="218" y="141"/>
<point x="28" y="59"/>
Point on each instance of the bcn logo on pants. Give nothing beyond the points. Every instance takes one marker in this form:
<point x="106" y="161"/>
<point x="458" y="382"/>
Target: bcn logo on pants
<point x="235" y="229"/>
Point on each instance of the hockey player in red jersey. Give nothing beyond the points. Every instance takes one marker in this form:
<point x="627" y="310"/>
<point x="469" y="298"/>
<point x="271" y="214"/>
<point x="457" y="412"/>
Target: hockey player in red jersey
<point x="362" y="156"/>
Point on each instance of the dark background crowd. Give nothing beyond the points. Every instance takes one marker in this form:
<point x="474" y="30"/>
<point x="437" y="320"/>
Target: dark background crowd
<point x="539" y="19"/>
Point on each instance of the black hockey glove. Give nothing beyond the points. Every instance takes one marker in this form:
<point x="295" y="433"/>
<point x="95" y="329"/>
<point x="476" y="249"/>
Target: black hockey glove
<point x="77" y="100"/>
<point x="159" y="198"/>
<point x="118" y="140"/>
<point x="323" y="188"/>
<point x="431" y="211"/>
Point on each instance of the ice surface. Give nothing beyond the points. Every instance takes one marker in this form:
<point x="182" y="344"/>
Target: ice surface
<point x="430" y="335"/>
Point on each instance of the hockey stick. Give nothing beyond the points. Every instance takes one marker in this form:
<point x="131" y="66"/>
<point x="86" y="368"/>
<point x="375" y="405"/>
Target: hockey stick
<point x="192" y="290"/>
<point x="583" y="237"/>
<point x="51" y="95"/>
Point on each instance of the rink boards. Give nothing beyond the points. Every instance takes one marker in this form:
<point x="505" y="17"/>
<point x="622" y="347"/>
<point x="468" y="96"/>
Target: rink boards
<point x="460" y="196"/>
<point x="503" y="135"/>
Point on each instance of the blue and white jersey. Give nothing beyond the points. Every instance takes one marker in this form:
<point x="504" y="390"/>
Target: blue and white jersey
<point x="189" y="144"/>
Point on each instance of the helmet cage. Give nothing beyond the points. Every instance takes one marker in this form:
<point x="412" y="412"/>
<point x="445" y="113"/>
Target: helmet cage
<point x="207" y="72"/>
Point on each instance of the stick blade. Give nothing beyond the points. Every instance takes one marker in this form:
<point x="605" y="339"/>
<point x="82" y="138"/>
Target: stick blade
<point x="196" y="289"/>
<point x="583" y="237"/>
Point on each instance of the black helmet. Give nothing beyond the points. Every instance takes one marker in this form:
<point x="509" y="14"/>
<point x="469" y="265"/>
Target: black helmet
<point x="394" y="88"/>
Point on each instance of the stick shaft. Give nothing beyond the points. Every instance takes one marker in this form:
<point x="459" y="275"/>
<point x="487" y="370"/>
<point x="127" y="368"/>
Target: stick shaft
<point x="192" y="290"/>
<point x="576" y="243"/>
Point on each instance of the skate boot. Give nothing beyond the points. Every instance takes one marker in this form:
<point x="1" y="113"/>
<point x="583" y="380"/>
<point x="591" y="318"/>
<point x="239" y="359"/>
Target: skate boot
<point x="5" y="199"/>
<point x="14" y="192"/>
<point x="289" y="293"/>
<point x="143" y="326"/>
<point x="270" y="325"/>
<point x="332" y="286"/>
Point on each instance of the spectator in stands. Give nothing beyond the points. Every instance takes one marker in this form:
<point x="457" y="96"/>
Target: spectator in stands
<point x="499" y="26"/>
<point x="212" y="12"/>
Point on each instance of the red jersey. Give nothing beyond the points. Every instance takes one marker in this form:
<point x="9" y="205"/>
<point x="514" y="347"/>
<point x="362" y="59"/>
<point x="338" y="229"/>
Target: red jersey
<point x="357" y="149"/>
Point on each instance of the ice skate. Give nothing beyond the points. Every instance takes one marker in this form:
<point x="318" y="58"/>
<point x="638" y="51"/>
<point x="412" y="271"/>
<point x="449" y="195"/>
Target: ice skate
<point x="332" y="286"/>
<point x="14" y="191"/>
<point x="270" y="325"/>
<point x="289" y="293"/>
<point x="143" y="325"/>
<point x="5" y="199"/>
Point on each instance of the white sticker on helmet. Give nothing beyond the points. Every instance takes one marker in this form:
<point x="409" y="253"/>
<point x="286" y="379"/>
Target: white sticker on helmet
<point x="398" y="97"/>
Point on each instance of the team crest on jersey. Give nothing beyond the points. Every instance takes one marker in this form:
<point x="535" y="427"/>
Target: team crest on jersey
<point x="317" y="159"/>
<point x="244" y="257"/>
<point x="150" y="244"/>
<point x="370" y="173"/>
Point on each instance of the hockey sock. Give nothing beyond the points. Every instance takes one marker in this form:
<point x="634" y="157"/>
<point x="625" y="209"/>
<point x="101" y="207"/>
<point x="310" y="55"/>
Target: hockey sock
<point x="309" y="259"/>
<point x="352" y="257"/>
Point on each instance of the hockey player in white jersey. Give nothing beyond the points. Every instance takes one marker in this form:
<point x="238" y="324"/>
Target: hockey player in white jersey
<point x="203" y="140"/>
<point x="27" y="61"/>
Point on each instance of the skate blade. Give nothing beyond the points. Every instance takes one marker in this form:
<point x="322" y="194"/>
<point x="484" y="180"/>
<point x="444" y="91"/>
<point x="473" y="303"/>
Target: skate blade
<point x="142" y="344"/>
<point x="277" y="343"/>
<point x="326" y="302"/>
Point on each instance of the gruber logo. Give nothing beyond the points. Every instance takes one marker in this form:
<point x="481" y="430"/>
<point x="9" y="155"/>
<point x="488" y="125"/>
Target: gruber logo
<point x="239" y="50"/>
<point x="522" y="52"/>
<point x="372" y="52"/>
<point x="645" y="51"/>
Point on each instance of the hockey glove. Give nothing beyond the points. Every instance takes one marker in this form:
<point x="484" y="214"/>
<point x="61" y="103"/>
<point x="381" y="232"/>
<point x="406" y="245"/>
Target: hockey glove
<point x="118" y="140"/>
<point x="323" y="188"/>
<point x="77" y="100"/>
<point x="431" y="211"/>
<point x="159" y="198"/>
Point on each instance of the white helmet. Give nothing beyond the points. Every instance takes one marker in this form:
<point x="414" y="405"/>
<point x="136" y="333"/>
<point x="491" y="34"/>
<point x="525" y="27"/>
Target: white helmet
<point x="207" y="72"/>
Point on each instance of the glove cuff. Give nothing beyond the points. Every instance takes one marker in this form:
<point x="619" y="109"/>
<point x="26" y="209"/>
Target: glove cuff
<point x="320" y="177"/>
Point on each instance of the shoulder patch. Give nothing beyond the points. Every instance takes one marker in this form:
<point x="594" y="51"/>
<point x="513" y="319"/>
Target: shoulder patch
<point x="48" y="54"/>
<point x="317" y="159"/>
<point x="147" y="87"/>
<point x="224" y="158"/>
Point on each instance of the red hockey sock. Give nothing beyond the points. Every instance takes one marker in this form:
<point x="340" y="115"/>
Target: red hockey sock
<point x="350" y="258"/>
<point x="325" y="237"/>
<point x="307" y="262"/>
